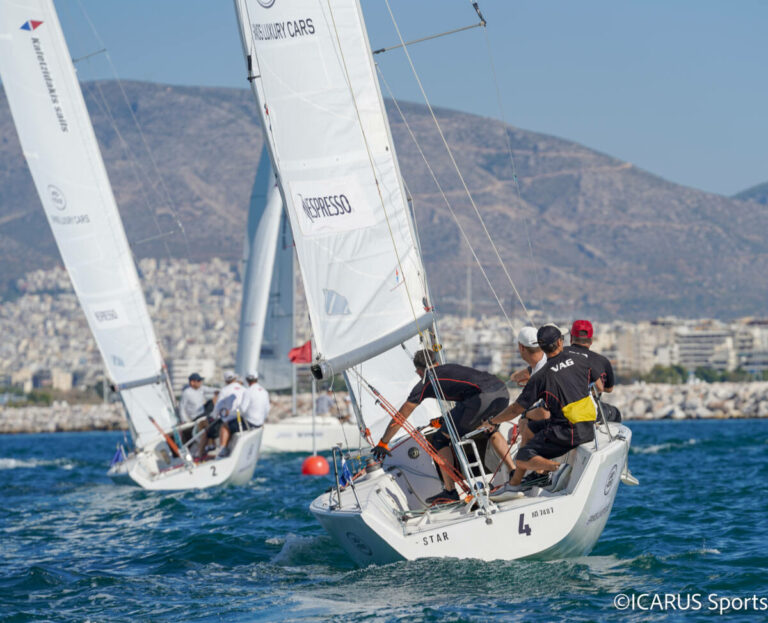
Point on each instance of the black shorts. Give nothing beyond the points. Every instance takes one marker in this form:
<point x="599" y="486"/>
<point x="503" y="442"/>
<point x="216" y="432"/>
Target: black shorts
<point x="549" y="442"/>
<point x="536" y="426"/>
<point x="468" y="414"/>
<point x="215" y="427"/>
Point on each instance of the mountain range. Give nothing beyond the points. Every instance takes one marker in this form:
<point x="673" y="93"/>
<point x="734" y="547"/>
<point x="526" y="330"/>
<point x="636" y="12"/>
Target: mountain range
<point x="581" y="233"/>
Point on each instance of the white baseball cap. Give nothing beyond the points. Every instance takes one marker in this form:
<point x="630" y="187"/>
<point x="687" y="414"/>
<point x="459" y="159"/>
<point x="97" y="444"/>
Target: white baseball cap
<point x="229" y="375"/>
<point x="527" y="337"/>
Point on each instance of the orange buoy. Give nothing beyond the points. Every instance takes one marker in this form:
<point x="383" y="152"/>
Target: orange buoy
<point x="314" y="465"/>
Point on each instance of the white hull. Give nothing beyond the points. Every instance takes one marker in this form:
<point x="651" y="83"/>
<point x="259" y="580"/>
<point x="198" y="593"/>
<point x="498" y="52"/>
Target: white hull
<point x="149" y="469"/>
<point x="541" y="525"/>
<point x="295" y="434"/>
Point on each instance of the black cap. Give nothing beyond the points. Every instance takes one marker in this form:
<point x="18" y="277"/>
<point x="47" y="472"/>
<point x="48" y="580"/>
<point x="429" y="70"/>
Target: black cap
<point x="548" y="334"/>
<point x="195" y="377"/>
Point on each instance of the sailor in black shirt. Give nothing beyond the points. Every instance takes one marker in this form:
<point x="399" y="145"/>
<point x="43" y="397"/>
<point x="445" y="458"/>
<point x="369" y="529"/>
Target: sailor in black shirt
<point x="581" y="341"/>
<point x="477" y="396"/>
<point x="563" y="386"/>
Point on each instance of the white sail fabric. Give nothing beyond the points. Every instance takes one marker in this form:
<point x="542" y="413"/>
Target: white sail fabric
<point x="276" y="369"/>
<point x="63" y="156"/>
<point x="393" y="375"/>
<point x="325" y="123"/>
<point x="266" y="317"/>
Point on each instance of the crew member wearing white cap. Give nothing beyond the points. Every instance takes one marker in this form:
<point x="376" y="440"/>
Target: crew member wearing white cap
<point x="227" y="414"/>
<point x="258" y="401"/>
<point x="528" y="347"/>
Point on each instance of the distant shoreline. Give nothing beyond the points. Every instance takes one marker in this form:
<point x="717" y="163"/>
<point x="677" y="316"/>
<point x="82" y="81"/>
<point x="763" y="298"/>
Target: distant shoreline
<point x="639" y="402"/>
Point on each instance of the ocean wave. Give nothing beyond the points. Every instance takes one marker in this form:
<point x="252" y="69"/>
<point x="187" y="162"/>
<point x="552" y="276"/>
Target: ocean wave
<point x="8" y="463"/>
<point x="663" y="447"/>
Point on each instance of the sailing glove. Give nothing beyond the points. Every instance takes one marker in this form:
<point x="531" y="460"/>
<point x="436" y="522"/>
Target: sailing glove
<point x="380" y="451"/>
<point x="436" y="422"/>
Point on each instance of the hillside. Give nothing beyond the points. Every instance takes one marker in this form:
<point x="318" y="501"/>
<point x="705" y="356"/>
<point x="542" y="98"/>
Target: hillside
<point x="591" y="235"/>
<point x="757" y="193"/>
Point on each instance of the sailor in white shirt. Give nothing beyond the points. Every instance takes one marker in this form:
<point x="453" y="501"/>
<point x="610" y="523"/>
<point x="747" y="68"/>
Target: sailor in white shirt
<point x="193" y="397"/>
<point x="258" y="407"/>
<point x="232" y="402"/>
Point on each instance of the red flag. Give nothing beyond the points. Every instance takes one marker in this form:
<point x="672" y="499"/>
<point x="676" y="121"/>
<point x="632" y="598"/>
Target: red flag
<point x="301" y="354"/>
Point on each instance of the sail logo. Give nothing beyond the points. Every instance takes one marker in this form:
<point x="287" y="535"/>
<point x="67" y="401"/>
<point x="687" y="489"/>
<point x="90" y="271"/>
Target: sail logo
<point x="45" y="72"/>
<point x="324" y="207"/>
<point x="267" y="4"/>
<point x="33" y="24"/>
<point x="57" y="197"/>
<point x="331" y="206"/>
<point x="289" y="29"/>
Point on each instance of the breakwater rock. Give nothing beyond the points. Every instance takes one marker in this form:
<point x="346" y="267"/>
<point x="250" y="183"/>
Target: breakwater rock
<point x="62" y="417"/>
<point x="636" y="402"/>
<point x="691" y="401"/>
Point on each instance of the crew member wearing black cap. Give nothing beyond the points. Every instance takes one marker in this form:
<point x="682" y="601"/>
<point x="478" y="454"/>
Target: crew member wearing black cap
<point x="563" y="386"/>
<point x="478" y="396"/>
<point x="192" y="399"/>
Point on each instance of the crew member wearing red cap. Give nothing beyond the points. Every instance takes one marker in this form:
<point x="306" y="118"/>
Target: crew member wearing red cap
<point x="581" y="341"/>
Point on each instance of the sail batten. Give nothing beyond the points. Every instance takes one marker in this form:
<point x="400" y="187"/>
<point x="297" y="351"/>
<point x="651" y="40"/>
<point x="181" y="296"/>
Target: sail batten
<point x="58" y="141"/>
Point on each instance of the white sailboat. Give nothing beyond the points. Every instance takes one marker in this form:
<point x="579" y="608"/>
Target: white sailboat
<point x="313" y="75"/>
<point x="61" y="150"/>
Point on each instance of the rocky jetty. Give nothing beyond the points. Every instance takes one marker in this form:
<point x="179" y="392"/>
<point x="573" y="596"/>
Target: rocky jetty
<point x="636" y="402"/>
<point x="692" y="401"/>
<point x="62" y="417"/>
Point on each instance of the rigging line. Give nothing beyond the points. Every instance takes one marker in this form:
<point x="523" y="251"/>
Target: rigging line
<point x="373" y="167"/>
<point x="151" y="156"/>
<point x="429" y="37"/>
<point x="138" y="173"/>
<point x="446" y="200"/>
<point x="455" y="164"/>
<point x="339" y="415"/>
<point x="509" y="147"/>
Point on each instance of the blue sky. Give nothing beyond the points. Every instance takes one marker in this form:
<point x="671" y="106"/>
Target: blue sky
<point x="677" y="87"/>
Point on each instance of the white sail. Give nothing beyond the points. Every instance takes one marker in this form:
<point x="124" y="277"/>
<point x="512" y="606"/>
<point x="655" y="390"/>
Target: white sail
<point x="63" y="156"/>
<point x="277" y="371"/>
<point x="325" y="123"/>
<point x="266" y="317"/>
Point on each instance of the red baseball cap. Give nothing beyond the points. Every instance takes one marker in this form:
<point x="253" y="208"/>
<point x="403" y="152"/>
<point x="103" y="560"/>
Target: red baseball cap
<point x="581" y="328"/>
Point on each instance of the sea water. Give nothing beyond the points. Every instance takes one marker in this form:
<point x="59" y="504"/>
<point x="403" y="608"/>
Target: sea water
<point x="75" y="547"/>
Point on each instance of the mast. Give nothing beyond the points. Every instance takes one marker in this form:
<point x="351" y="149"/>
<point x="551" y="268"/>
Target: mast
<point x="325" y="125"/>
<point x="61" y="150"/>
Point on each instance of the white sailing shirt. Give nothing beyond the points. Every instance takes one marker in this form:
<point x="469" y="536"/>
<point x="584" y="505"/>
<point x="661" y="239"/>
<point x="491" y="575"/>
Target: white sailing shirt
<point x="258" y="406"/>
<point x="191" y="403"/>
<point x="232" y="399"/>
<point x="541" y="363"/>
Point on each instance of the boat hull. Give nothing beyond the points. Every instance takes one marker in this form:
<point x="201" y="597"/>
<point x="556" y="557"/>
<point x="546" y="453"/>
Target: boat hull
<point x="142" y="469"/>
<point x="296" y="434"/>
<point x="542" y="525"/>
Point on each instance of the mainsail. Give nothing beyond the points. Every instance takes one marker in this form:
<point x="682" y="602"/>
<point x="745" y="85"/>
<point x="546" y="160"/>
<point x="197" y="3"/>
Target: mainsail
<point x="325" y="124"/>
<point x="266" y="318"/>
<point x="66" y="165"/>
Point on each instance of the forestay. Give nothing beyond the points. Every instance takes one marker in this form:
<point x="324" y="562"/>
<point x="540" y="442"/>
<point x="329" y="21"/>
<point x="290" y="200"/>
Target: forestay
<point x="325" y="123"/>
<point x="63" y="156"/>
<point x="266" y="318"/>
